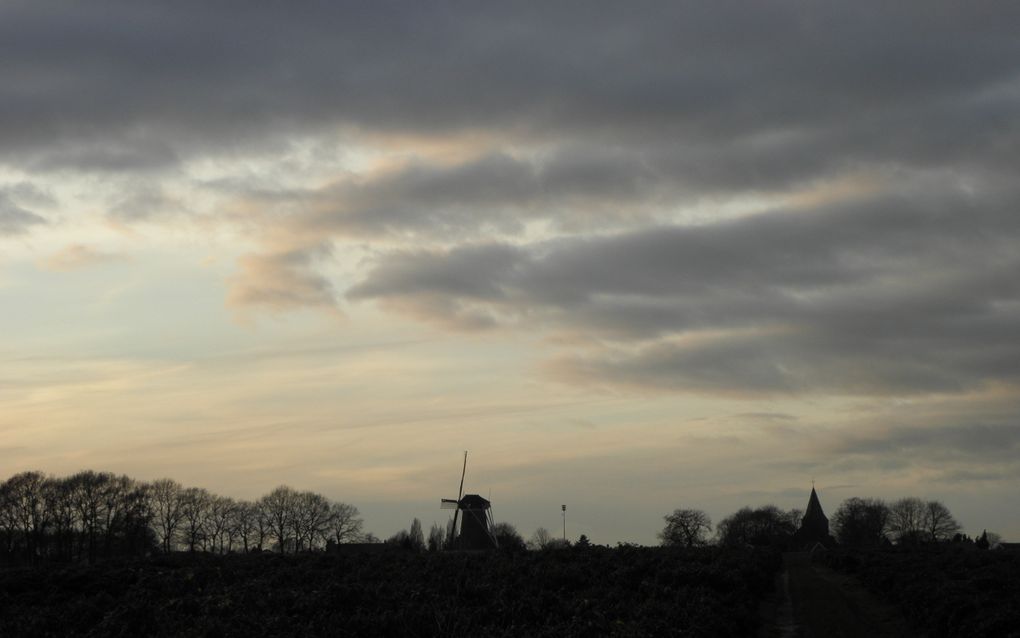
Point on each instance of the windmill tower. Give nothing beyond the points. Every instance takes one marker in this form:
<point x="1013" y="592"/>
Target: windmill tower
<point x="475" y="515"/>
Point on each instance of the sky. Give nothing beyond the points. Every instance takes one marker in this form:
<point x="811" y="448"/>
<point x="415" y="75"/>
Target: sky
<point x="632" y="256"/>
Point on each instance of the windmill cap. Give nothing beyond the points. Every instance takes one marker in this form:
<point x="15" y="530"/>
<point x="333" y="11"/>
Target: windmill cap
<point x="474" y="502"/>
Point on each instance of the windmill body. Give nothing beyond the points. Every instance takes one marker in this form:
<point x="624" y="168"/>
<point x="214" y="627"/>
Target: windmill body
<point x="475" y="523"/>
<point x="475" y="515"/>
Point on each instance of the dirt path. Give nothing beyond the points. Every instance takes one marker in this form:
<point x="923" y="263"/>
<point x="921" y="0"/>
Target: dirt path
<point x="815" y="602"/>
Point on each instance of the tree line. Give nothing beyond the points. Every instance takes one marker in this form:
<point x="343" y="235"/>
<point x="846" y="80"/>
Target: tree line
<point x="91" y="515"/>
<point x="857" y="522"/>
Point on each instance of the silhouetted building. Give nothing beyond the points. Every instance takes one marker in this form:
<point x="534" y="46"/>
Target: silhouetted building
<point x="814" y="526"/>
<point x="475" y="526"/>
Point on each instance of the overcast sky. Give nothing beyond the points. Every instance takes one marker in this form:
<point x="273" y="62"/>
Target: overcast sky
<point x="633" y="256"/>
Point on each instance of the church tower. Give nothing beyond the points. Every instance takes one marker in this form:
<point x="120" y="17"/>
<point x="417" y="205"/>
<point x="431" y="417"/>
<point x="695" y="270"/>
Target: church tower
<point x="814" y="527"/>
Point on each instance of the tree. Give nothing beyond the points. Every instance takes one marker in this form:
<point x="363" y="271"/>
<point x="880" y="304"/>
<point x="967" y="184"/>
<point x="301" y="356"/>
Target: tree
<point x="686" y="528"/>
<point x="861" y="521"/>
<point x="906" y="520"/>
<point x="912" y="520"/>
<point x="416" y="537"/>
<point x="508" y="538"/>
<point x="263" y="524"/>
<point x="540" y="539"/>
<point x="165" y="496"/>
<point x="27" y="505"/>
<point x="92" y="514"/>
<point x="583" y="542"/>
<point x="310" y="520"/>
<point x="133" y="523"/>
<point x="939" y="524"/>
<point x="62" y="515"/>
<point x="344" y="524"/>
<point x="278" y="507"/>
<point x="246" y="525"/>
<point x="194" y="514"/>
<point x="219" y="521"/>
<point x="437" y="538"/>
<point x="993" y="539"/>
<point x="87" y="495"/>
<point x="116" y="493"/>
<point x="767" y="525"/>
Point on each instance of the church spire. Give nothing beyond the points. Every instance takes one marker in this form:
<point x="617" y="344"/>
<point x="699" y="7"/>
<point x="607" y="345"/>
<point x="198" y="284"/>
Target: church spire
<point x="814" y="506"/>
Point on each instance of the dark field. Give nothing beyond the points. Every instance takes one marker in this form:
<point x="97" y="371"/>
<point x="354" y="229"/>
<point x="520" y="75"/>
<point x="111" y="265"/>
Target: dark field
<point x="624" y="591"/>
<point x="943" y="590"/>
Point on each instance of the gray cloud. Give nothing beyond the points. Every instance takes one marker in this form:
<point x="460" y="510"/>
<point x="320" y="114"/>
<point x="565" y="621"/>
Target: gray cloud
<point x="601" y="121"/>
<point x="143" y="202"/>
<point x="14" y="219"/>
<point x="989" y="440"/>
<point x="758" y="94"/>
<point x="572" y="188"/>
<point x="982" y="447"/>
<point x="899" y="294"/>
<point x="96" y="157"/>
<point x="29" y="194"/>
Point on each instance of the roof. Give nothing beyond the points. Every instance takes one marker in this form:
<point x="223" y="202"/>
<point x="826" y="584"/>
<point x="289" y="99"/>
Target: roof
<point x="814" y="506"/>
<point x="474" y="502"/>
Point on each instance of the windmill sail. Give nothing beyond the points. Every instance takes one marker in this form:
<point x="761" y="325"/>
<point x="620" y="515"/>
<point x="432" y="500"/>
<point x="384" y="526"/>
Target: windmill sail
<point x="476" y="524"/>
<point x="460" y="493"/>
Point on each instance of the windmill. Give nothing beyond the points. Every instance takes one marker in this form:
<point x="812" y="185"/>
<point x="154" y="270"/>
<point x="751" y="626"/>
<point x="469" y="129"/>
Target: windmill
<point x="476" y="522"/>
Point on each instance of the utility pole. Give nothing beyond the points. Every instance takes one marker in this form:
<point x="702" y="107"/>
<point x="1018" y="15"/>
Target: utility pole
<point x="564" y="521"/>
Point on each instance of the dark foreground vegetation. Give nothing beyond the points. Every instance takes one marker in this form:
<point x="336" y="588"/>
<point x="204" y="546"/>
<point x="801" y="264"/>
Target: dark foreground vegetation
<point x="625" y="591"/>
<point x="944" y="590"/>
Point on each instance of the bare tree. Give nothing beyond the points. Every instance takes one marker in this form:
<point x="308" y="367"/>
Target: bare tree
<point x="28" y="509"/>
<point x="508" y="537"/>
<point x="766" y="525"/>
<point x="686" y="528"/>
<point x="416" y="536"/>
<point x="541" y="539"/>
<point x="87" y="493"/>
<point x="939" y="524"/>
<point x="194" y="517"/>
<point x="263" y="524"/>
<point x="310" y="520"/>
<point x="98" y="513"/>
<point x="246" y="525"/>
<point x="344" y="523"/>
<point x="219" y="522"/>
<point x="8" y="523"/>
<point x="116" y="494"/>
<point x="993" y="539"/>
<point x="166" y="497"/>
<point x="906" y="519"/>
<point x="437" y="538"/>
<point x="861" y="521"/>
<point x="63" y="515"/>
<point x="278" y="507"/>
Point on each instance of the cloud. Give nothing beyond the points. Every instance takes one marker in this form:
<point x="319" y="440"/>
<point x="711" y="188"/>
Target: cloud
<point x="598" y="129"/>
<point x="97" y="158"/>
<point x="756" y="94"/>
<point x="29" y="194"/>
<point x="495" y="192"/>
<point x="78" y="256"/>
<point x="988" y="440"/>
<point x="144" y="202"/>
<point x="15" y="220"/>
<point x="281" y="280"/>
<point x="906" y="292"/>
